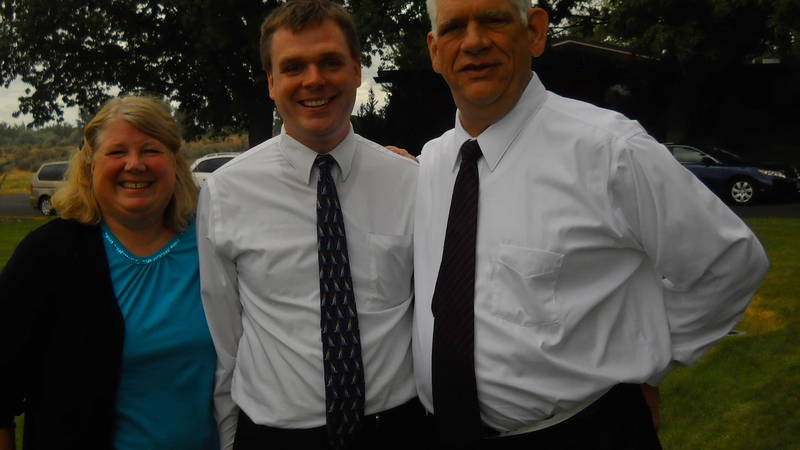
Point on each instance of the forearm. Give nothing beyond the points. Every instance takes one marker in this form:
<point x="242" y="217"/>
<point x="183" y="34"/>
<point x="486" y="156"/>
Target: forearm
<point x="653" y="398"/>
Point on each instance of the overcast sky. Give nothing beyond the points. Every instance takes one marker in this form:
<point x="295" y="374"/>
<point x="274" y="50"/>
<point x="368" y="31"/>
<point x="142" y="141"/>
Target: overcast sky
<point x="9" y="96"/>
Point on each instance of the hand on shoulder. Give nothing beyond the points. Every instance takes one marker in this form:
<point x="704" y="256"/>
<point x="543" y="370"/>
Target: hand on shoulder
<point x="401" y="152"/>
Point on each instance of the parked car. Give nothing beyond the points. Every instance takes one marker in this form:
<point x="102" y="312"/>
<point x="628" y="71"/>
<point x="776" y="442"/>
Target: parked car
<point x="44" y="183"/>
<point x="205" y="165"/>
<point x="734" y="179"/>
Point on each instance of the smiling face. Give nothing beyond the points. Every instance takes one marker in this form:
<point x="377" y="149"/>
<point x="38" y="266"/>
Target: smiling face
<point x="483" y="49"/>
<point x="313" y="81"/>
<point x="133" y="176"/>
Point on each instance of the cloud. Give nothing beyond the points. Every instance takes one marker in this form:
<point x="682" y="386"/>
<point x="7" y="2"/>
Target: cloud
<point x="367" y="83"/>
<point x="9" y="103"/>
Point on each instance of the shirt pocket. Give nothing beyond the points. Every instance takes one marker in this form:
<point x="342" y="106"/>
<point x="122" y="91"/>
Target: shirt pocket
<point x="391" y="267"/>
<point x="523" y="286"/>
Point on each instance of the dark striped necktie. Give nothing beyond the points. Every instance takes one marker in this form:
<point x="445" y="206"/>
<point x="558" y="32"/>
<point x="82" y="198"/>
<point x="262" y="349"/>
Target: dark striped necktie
<point x="341" y="342"/>
<point x="455" y="393"/>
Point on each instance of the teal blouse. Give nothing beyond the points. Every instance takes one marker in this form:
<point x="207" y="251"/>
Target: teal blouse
<point x="165" y="391"/>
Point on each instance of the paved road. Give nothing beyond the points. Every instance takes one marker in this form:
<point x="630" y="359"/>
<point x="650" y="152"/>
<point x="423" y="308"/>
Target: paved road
<point x="782" y="209"/>
<point x="17" y="205"/>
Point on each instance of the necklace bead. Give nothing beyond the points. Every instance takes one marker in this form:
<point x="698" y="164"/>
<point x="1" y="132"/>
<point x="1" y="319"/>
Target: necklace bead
<point x="136" y="260"/>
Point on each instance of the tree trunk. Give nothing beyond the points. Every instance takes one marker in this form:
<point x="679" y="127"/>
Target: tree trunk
<point x="259" y="114"/>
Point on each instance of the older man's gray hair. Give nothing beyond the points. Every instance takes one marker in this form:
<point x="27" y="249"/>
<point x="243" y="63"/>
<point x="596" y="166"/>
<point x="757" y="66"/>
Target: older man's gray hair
<point x="524" y="6"/>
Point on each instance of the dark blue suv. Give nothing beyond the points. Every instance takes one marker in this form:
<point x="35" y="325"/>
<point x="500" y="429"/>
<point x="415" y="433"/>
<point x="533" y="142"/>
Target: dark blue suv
<point x="732" y="178"/>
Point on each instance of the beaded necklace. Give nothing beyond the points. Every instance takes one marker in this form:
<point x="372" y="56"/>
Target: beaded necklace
<point x="134" y="259"/>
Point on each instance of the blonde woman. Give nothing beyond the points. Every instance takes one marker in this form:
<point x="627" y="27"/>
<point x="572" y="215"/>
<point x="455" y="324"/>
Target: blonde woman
<point x="106" y="338"/>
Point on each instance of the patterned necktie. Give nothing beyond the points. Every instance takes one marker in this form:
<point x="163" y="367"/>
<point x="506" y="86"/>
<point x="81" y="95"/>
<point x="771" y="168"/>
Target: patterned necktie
<point x="455" y="393"/>
<point x="341" y="342"/>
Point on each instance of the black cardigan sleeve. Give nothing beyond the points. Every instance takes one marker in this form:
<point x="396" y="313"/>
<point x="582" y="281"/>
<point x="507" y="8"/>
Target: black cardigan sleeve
<point x="22" y="313"/>
<point x="62" y="333"/>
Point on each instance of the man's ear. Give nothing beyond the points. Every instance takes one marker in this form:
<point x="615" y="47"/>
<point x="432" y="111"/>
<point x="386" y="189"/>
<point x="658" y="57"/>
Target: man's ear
<point x="433" y="49"/>
<point x="537" y="30"/>
<point x="357" y="68"/>
<point x="271" y="84"/>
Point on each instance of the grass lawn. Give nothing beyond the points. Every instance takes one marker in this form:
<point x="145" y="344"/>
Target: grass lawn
<point x="744" y="394"/>
<point x="12" y="230"/>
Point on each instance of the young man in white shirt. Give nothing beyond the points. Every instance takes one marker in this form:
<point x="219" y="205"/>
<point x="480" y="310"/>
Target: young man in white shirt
<point x="261" y="270"/>
<point x="600" y="263"/>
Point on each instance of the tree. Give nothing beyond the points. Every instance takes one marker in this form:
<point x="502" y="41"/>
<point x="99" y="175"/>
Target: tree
<point x="704" y="49"/>
<point x="202" y="54"/>
<point x="706" y="32"/>
<point x="394" y="30"/>
<point x="369" y="120"/>
<point x="701" y="52"/>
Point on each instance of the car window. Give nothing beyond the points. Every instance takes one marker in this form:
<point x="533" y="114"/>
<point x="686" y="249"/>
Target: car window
<point x="688" y="155"/>
<point x="53" y="172"/>
<point x="211" y="165"/>
<point x="731" y="157"/>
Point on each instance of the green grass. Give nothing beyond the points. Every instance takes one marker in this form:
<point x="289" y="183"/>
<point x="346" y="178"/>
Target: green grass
<point x="12" y="230"/>
<point x="743" y="395"/>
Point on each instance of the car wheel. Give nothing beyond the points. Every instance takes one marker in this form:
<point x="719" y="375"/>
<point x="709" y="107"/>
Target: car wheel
<point x="45" y="206"/>
<point x="743" y="191"/>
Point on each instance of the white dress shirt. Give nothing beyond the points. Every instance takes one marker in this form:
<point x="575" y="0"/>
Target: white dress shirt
<point x="600" y="260"/>
<point x="260" y="278"/>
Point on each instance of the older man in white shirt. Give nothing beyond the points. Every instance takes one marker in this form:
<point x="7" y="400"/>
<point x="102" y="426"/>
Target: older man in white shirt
<point x="600" y="263"/>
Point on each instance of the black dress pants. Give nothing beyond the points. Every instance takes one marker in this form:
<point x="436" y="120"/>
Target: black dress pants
<point x="619" y="420"/>
<point x="399" y="428"/>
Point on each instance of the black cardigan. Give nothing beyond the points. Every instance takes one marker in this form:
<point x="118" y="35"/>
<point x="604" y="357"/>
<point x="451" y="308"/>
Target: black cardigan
<point x="62" y="334"/>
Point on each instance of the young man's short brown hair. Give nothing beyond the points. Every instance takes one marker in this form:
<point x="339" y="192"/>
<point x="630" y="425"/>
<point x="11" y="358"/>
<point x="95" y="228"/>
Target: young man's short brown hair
<point x="298" y="15"/>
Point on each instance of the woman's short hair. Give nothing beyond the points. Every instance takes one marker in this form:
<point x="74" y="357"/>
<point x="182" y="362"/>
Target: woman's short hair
<point x="76" y="200"/>
<point x="298" y="15"/>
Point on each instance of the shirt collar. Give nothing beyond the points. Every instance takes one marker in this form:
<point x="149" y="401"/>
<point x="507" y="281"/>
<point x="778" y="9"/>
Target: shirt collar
<point x="497" y="139"/>
<point x="302" y="158"/>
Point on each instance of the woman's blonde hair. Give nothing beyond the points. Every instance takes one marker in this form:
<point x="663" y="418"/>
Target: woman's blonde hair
<point x="76" y="200"/>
